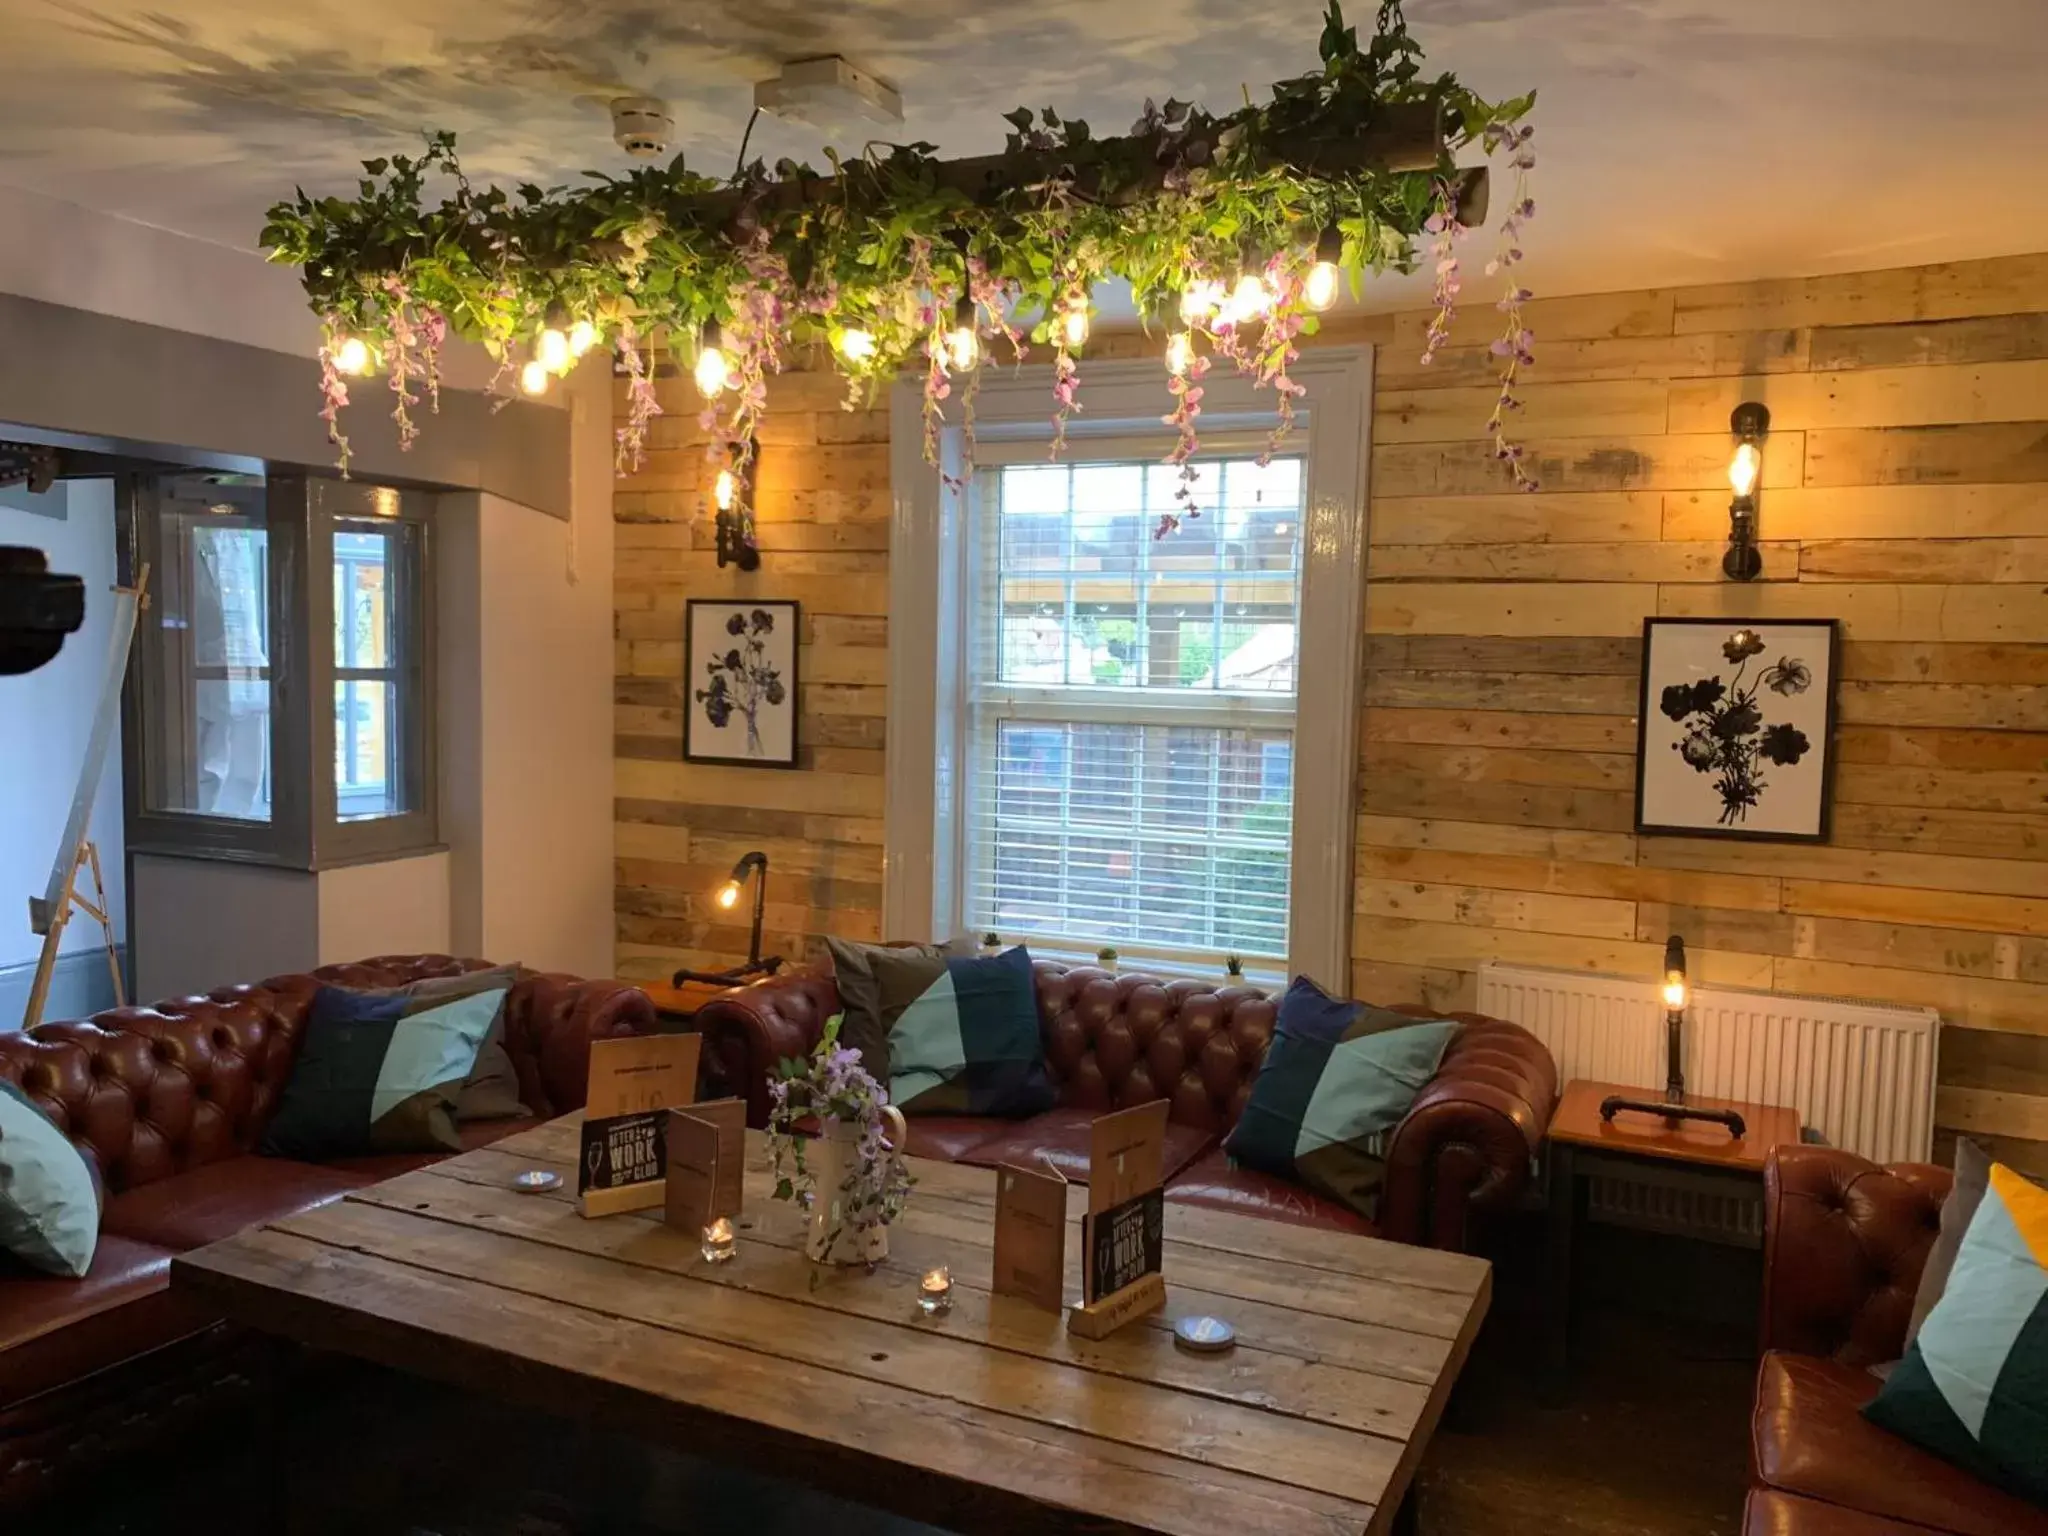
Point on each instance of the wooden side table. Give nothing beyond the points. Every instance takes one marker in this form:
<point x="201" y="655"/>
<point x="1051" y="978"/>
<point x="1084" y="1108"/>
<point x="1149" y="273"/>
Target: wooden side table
<point x="1582" y="1144"/>
<point x="678" y="1005"/>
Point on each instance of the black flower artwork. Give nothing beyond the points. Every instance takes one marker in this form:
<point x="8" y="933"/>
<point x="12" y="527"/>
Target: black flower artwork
<point x="743" y="679"/>
<point x="1725" y="734"/>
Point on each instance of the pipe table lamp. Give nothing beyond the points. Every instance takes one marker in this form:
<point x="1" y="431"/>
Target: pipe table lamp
<point x="1673" y="1107"/>
<point x="728" y="896"/>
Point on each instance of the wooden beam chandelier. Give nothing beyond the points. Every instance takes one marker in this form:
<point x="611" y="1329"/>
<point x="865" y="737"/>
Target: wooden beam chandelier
<point x="1233" y="233"/>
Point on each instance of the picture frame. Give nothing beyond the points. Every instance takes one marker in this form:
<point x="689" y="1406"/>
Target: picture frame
<point x="740" y="681"/>
<point x="1735" y="728"/>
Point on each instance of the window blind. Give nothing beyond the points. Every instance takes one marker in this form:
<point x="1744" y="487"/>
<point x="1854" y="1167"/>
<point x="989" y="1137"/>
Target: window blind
<point x="1129" y="720"/>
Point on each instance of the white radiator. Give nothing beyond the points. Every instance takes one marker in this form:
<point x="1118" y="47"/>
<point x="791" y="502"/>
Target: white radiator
<point x="1861" y="1075"/>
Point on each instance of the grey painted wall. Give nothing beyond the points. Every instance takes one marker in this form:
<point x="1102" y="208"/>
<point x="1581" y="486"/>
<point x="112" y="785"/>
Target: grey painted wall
<point x="72" y="375"/>
<point x="79" y="987"/>
<point x="201" y="924"/>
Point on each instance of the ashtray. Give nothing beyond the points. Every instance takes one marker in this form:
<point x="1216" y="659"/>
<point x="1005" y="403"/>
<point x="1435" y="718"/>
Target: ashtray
<point x="1204" y="1335"/>
<point x="536" y="1181"/>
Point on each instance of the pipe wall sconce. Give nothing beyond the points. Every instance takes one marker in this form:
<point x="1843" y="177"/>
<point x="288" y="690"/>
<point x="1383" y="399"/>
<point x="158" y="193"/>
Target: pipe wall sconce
<point x="1749" y="422"/>
<point x="733" y="495"/>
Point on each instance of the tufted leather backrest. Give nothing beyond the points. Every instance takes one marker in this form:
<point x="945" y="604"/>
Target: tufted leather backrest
<point x="1117" y="1040"/>
<point x="1844" y="1243"/>
<point x="146" y="1092"/>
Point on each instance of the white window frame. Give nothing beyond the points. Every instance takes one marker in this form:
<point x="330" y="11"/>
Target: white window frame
<point x="929" y="582"/>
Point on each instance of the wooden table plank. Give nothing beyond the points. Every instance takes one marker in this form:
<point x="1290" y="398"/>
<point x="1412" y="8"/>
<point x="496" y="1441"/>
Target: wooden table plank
<point x="980" y="1470"/>
<point x="1251" y="1277"/>
<point x="990" y="1418"/>
<point x="770" y="1262"/>
<point x="909" y="1352"/>
<point x="1401" y="1354"/>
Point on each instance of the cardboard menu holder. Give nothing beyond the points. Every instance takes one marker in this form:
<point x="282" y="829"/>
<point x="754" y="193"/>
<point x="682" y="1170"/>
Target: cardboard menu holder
<point x="1123" y="1236"/>
<point x="707" y="1153"/>
<point x="1031" y="1235"/>
<point x="634" y="1082"/>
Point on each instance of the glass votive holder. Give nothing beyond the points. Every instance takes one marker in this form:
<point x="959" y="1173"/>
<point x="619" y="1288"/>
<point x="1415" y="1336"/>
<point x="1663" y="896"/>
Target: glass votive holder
<point x="719" y="1245"/>
<point x="935" y="1292"/>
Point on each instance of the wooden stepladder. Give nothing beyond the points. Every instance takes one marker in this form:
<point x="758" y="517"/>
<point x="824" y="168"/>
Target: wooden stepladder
<point x="50" y="913"/>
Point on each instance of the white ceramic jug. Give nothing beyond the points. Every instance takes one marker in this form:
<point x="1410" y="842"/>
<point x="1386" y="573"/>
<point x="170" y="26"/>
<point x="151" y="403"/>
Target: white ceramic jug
<point x="829" y="1157"/>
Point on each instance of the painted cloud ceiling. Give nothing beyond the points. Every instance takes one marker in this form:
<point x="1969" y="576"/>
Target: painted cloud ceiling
<point x="1681" y="140"/>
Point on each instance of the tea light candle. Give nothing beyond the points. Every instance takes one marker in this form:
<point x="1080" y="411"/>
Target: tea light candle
<point x="935" y="1291"/>
<point x="718" y="1241"/>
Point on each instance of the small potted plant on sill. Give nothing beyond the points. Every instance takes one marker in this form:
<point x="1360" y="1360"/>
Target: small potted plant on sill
<point x="851" y="1176"/>
<point x="991" y="944"/>
<point x="1106" y="958"/>
<point x="1233" y="970"/>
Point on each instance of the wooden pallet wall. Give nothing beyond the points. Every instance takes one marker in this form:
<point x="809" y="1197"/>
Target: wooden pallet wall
<point x="1905" y="492"/>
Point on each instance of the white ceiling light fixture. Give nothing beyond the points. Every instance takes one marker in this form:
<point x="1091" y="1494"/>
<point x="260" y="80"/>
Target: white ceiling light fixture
<point x="827" y="92"/>
<point x="642" y="126"/>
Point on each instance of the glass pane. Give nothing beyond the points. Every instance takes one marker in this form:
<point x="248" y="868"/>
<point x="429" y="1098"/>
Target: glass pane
<point x="1161" y="835"/>
<point x="362" y="609"/>
<point x="368" y="779"/>
<point x="207" y="650"/>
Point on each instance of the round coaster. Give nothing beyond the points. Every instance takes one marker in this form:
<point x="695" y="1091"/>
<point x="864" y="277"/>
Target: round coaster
<point x="536" y="1181"/>
<point x="1204" y="1335"/>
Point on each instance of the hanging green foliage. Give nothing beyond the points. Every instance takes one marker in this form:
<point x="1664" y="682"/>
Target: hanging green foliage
<point x="1231" y="231"/>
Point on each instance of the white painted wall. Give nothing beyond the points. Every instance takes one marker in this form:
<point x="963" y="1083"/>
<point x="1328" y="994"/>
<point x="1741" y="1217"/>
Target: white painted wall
<point x="64" y="253"/>
<point x="46" y="717"/>
<point x="393" y="907"/>
<point x="526" y="712"/>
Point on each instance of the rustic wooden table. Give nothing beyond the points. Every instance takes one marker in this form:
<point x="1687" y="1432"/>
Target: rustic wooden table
<point x="1583" y="1144"/>
<point x="990" y="1418"/>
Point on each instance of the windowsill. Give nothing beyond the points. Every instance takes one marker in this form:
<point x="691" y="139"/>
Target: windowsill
<point x="158" y="850"/>
<point x="1266" y="975"/>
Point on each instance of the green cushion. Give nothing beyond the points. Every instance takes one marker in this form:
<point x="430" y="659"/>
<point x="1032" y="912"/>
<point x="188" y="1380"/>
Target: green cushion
<point x="963" y="1034"/>
<point x="49" y="1202"/>
<point x="380" y="1073"/>
<point x="1337" y="1076"/>
<point x="1973" y="1388"/>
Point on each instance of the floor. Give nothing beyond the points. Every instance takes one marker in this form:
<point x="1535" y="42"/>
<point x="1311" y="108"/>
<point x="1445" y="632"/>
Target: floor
<point x="1648" y="1440"/>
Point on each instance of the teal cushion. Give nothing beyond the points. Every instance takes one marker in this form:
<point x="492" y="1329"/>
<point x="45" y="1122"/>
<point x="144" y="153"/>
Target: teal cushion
<point x="1337" y="1076"/>
<point x="380" y="1073"/>
<point x="1973" y="1388"/>
<point x="964" y="1036"/>
<point x="49" y="1203"/>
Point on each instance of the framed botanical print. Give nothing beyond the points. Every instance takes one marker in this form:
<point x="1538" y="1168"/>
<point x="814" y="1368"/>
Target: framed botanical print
<point x="739" y="677"/>
<point x="1735" y="732"/>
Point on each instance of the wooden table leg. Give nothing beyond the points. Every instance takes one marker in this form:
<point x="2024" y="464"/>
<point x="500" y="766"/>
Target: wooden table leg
<point x="1564" y="1218"/>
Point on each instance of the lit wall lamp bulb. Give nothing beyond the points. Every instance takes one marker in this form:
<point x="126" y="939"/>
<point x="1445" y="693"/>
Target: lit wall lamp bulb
<point x="352" y="356"/>
<point x="1749" y="422"/>
<point x="533" y="378"/>
<point x="1248" y="300"/>
<point x="582" y="337"/>
<point x="856" y="345"/>
<point x="1074" y="326"/>
<point x="729" y="894"/>
<point x="713" y="371"/>
<point x="727" y="490"/>
<point x="1320" y="291"/>
<point x="1675" y="992"/>
<point x="1180" y="353"/>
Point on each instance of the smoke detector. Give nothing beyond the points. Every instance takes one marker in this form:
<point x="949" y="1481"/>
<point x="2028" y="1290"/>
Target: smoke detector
<point x="827" y="92"/>
<point x="641" y="126"/>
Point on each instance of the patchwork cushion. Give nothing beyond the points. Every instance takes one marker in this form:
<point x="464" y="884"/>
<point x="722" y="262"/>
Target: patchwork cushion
<point x="1973" y="1388"/>
<point x="1337" y="1076"/>
<point x="963" y="1035"/>
<point x="1973" y="1173"/>
<point x="379" y="1074"/>
<point x="862" y="971"/>
<point x="49" y="1202"/>
<point x="492" y="1090"/>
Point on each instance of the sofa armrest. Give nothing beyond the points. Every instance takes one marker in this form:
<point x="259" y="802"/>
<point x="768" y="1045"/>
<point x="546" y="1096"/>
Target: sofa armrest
<point x="1845" y="1240"/>
<point x="749" y="1029"/>
<point x="1469" y="1141"/>
<point x="550" y="1020"/>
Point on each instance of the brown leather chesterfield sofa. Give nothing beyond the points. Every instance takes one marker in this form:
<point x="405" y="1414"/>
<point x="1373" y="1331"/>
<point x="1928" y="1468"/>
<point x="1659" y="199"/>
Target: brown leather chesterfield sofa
<point x="168" y="1104"/>
<point x="1117" y="1040"/>
<point x="1844" y="1243"/>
